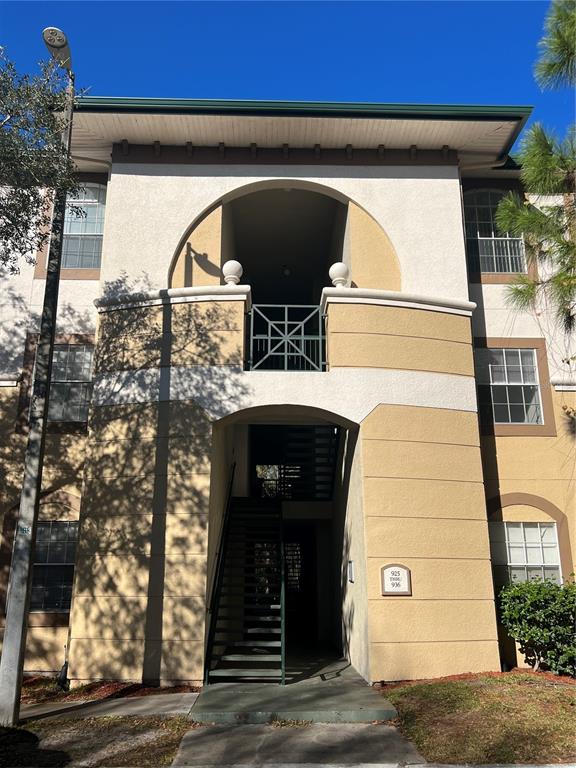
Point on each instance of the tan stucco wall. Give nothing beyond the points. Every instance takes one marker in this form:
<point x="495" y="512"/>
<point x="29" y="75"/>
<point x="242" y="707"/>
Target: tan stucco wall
<point x="369" y="253"/>
<point x="424" y="508"/>
<point x="190" y="334"/>
<point x="199" y="258"/>
<point x="138" y="605"/>
<point x="532" y="479"/>
<point x="354" y="594"/>
<point x="60" y="500"/>
<point x="398" y="338"/>
<point x="140" y="584"/>
<point x="543" y="468"/>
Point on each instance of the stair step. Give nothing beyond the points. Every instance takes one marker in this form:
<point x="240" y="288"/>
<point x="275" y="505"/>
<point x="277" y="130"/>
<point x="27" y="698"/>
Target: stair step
<point x="239" y="613"/>
<point x="262" y="631"/>
<point x="245" y="673"/>
<point x="252" y="607"/>
<point x="251" y="657"/>
<point x="250" y="643"/>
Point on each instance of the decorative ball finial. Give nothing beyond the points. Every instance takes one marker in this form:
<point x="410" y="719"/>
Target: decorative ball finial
<point x="232" y="271"/>
<point x="339" y="274"/>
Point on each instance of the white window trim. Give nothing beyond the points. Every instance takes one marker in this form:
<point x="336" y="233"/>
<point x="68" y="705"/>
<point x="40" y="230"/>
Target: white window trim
<point x="470" y="202"/>
<point x="526" y="564"/>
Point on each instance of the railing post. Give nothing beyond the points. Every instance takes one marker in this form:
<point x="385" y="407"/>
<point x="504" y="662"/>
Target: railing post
<point x="282" y="604"/>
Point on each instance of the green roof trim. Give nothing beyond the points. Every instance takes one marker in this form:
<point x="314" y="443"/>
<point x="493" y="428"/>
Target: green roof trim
<point x="317" y="109"/>
<point x="299" y="108"/>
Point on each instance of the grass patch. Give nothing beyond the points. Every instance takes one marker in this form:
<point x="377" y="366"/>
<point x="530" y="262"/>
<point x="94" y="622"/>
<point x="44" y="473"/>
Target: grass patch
<point x="508" y="718"/>
<point x="40" y="690"/>
<point x="96" y="741"/>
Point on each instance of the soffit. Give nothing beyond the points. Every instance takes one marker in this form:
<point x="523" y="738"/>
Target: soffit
<point x="474" y="134"/>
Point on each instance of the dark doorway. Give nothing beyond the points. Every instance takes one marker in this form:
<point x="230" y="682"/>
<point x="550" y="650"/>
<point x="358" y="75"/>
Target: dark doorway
<point x="301" y="584"/>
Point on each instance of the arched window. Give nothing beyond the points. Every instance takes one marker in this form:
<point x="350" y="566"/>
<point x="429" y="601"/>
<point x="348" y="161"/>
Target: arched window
<point x="490" y="250"/>
<point x="82" y="247"/>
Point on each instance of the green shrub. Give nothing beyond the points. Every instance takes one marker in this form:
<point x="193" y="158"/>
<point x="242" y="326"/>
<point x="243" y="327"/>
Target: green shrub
<point x="541" y="617"/>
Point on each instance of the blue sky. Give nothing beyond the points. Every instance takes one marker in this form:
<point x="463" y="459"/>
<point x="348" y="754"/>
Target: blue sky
<point x="423" y="51"/>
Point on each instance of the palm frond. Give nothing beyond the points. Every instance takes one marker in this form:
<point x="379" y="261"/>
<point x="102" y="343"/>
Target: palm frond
<point x="556" y="67"/>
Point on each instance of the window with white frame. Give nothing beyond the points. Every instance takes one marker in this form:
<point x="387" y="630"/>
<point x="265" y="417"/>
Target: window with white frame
<point x="524" y="551"/>
<point x="82" y="242"/>
<point x="53" y="570"/>
<point x="70" y="387"/>
<point x="508" y="386"/>
<point x="488" y="249"/>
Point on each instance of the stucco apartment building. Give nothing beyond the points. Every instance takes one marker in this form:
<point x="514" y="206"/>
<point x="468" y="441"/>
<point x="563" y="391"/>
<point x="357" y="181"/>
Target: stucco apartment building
<point x="291" y="412"/>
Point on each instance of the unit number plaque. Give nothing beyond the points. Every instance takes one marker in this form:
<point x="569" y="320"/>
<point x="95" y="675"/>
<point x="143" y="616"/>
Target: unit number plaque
<point x="396" y="580"/>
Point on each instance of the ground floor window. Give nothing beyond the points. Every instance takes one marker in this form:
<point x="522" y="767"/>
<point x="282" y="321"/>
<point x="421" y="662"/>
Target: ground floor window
<point x="524" y="551"/>
<point x="54" y="558"/>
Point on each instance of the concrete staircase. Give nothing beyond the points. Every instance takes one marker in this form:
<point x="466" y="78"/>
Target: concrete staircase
<point x="248" y="633"/>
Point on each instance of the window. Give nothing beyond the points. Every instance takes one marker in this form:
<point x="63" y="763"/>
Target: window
<point x="82" y="246"/>
<point x="53" y="572"/>
<point x="508" y="387"/>
<point x="524" y="551"/>
<point x="70" y="387"/>
<point x="488" y="249"/>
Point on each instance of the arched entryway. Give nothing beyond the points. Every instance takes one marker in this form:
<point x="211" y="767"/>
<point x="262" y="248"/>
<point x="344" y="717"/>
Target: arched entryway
<point x="282" y="598"/>
<point x="286" y="233"/>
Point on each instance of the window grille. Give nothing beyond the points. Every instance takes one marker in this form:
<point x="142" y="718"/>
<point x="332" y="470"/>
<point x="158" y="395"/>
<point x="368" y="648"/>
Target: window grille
<point x="53" y="570"/>
<point x="524" y="551"/>
<point x="508" y="387"/>
<point x="70" y="387"/>
<point x="488" y="249"/>
<point x="82" y="241"/>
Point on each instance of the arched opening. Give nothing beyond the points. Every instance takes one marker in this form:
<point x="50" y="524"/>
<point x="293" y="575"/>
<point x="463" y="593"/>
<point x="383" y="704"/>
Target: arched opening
<point x="286" y="547"/>
<point x="286" y="234"/>
<point x="286" y="239"/>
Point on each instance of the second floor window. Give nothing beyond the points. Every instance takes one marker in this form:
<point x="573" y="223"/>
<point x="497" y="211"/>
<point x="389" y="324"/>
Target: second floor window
<point x="488" y="249"/>
<point x="70" y="387"/>
<point x="508" y="386"/>
<point x="82" y="247"/>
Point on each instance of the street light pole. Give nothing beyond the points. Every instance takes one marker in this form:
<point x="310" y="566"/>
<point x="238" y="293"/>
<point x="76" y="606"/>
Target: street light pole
<point x="14" y="643"/>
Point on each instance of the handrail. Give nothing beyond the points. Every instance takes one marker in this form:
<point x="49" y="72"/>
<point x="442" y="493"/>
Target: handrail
<point x="282" y="603"/>
<point x="217" y="574"/>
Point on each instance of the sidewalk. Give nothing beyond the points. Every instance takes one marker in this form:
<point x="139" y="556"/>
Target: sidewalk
<point x="351" y="744"/>
<point x="160" y="705"/>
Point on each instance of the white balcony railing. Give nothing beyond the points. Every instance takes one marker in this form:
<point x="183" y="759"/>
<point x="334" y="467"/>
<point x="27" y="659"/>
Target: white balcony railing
<point x="286" y="338"/>
<point x="497" y="254"/>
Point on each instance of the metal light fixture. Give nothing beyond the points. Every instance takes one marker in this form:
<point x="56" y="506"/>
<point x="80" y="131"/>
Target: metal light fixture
<point x="57" y="43"/>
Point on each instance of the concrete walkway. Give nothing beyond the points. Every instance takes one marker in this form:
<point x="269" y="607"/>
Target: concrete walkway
<point x="331" y="693"/>
<point x="160" y="705"/>
<point x="313" y="745"/>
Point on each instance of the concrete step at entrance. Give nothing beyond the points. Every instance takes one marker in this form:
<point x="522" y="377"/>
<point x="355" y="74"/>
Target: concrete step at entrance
<point x="317" y="690"/>
<point x="247" y="674"/>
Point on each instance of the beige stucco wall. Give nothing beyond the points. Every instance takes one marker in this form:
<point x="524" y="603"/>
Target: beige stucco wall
<point x="543" y="468"/>
<point x="418" y="207"/>
<point x="368" y="252"/>
<point x="140" y="583"/>
<point x="354" y="594"/>
<point x="369" y="336"/>
<point x="199" y="259"/>
<point x="60" y="500"/>
<point x="424" y="508"/>
<point x="139" y="588"/>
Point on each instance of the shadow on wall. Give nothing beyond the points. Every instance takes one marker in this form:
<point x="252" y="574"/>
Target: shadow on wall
<point x="63" y="464"/>
<point x="138" y="609"/>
